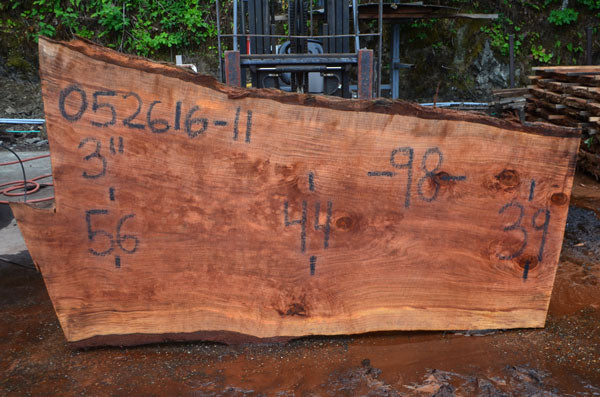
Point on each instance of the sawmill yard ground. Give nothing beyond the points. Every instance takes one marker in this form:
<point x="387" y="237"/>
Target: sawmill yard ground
<point x="561" y="359"/>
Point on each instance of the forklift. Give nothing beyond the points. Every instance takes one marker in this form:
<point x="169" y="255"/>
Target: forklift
<point x="298" y="61"/>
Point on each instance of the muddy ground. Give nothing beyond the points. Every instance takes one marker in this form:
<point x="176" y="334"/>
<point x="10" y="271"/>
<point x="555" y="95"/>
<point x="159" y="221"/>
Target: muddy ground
<point x="561" y="359"/>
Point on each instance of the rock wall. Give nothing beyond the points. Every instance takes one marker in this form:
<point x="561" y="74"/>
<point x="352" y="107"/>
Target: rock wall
<point x="456" y="57"/>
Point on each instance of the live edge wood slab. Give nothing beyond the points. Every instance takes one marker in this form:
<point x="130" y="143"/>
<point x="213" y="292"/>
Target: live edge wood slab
<point x="186" y="209"/>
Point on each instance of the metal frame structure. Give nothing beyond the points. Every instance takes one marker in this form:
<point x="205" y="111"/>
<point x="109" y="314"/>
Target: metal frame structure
<point x="334" y="65"/>
<point x="394" y="12"/>
<point x="398" y="13"/>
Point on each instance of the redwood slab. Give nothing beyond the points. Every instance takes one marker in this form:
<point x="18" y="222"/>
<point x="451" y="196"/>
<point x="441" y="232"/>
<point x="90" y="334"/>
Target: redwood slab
<point x="186" y="209"/>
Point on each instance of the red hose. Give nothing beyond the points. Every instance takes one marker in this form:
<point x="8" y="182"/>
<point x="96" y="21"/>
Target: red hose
<point x="18" y="184"/>
<point x="21" y="186"/>
<point x="25" y="160"/>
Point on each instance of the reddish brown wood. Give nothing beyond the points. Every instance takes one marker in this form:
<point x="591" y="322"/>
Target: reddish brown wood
<point x="275" y="215"/>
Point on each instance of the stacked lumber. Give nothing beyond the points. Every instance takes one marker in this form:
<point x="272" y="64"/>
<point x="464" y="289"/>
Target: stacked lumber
<point x="570" y="96"/>
<point x="510" y="101"/>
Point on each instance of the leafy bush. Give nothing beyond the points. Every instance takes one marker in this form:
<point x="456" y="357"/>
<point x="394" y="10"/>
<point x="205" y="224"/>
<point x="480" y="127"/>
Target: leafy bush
<point x="574" y="48"/>
<point x="563" y="17"/>
<point x="539" y="54"/>
<point x="144" y="27"/>
<point x="423" y="28"/>
<point x="499" y="39"/>
<point x="591" y="4"/>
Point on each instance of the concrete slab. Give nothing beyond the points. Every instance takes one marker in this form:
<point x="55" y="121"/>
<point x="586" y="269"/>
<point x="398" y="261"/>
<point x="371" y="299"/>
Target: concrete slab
<point x="11" y="240"/>
<point x="12" y="246"/>
<point x="33" y="169"/>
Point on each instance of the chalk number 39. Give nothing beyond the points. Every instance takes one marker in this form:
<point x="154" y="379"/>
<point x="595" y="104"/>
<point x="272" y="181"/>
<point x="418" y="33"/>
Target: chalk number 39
<point x="517" y="225"/>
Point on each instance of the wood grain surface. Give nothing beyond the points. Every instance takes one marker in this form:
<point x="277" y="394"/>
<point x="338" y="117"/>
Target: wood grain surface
<point x="188" y="209"/>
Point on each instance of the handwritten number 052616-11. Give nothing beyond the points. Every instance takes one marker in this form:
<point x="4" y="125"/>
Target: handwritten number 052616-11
<point x="74" y="97"/>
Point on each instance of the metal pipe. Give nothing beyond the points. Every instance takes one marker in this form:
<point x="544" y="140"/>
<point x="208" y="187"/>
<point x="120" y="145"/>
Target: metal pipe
<point x="395" y="70"/>
<point x="589" y="45"/>
<point x="219" y="40"/>
<point x="447" y="104"/>
<point x="244" y="46"/>
<point x="511" y="59"/>
<point x="311" y="16"/>
<point x="299" y="68"/>
<point x="22" y="121"/>
<point x="243" y="19"/>
<point x="379" y="55"/>
<point x="289" y="37"/>
<point x="298" y="59"/>
<point x="235" y="24"/>
<point x="300" y="36"/>
<point x="355" y="21"/>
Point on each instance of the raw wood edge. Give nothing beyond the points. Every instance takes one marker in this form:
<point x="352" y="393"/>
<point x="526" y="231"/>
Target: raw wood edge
<point x="379" y="105"/>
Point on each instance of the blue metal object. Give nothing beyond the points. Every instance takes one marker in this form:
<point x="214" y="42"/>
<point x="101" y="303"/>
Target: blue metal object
<point x="22" y="121"/>
<point x="395" y="83"/>
<point x="447" y="104"/>
<point x="396" y="65"/>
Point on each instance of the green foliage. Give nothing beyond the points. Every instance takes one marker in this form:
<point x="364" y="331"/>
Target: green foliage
<point x="589" y="142"/>
<point x="535" y="6"/>
<point x="423" y="27"/>
<point x="539" y="54"/>
<point x="563" y="17"/>
<point x="591" y="4"/>
<point x="111" y="18"/>
<point x="499" y="37"/>
<point x="144" y="27"/>
<point x="574" y="49"/>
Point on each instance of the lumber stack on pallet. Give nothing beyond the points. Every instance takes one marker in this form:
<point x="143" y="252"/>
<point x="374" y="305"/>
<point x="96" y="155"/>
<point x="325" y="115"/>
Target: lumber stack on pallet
<point x="510" y="103"/>
<point x="187" y="209"/>
<point x="570" y="96"/>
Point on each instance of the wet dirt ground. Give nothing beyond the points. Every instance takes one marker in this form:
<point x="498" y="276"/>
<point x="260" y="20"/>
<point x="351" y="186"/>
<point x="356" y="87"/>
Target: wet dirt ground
<point x="561" y="359"/>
